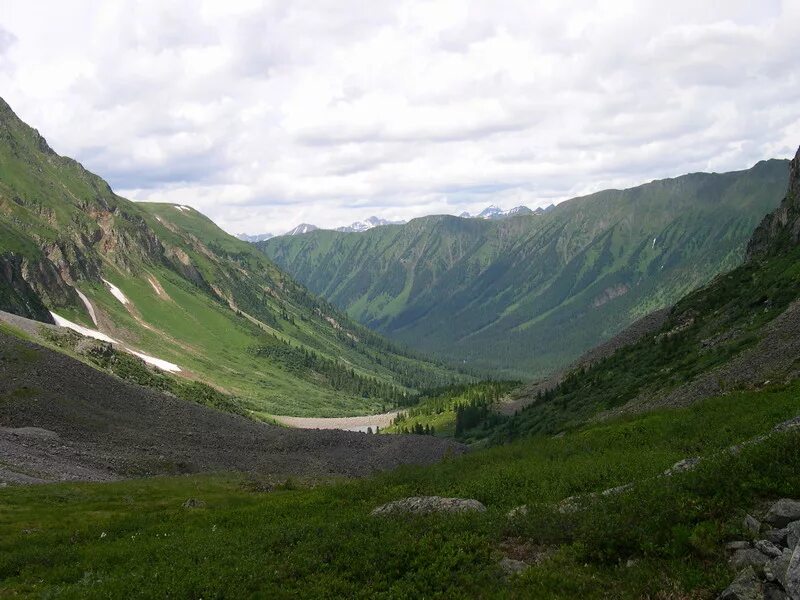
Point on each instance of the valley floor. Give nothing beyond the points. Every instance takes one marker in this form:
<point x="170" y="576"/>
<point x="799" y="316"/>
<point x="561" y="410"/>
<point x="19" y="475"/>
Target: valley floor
<point x="244" y="536"/>
<point x="361" y="423"/>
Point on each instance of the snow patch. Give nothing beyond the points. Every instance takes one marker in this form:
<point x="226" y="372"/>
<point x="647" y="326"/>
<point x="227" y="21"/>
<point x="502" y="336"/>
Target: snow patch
<point x="157" y="362"/>
<point x="92" y="333"/>
<point x="88" y="306"/>
<point x="654" y="242"/>
<point x="116" y="292"/>
<point x="182" y="208"/>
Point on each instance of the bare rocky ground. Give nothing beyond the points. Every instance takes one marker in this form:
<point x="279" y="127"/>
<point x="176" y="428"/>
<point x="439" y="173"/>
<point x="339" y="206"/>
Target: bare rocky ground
<point x="774" y="359"/>
<point x="60" y="419"/>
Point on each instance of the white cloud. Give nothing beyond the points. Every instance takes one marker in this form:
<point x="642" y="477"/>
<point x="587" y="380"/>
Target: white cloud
<point x="265" y="114"/>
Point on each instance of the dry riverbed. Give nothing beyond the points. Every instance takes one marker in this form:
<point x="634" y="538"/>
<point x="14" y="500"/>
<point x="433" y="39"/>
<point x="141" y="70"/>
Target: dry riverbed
<point x="344" y="423"/>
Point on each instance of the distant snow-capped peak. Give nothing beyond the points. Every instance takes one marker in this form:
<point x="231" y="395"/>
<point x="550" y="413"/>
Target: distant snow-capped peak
<point x="367" y="224"/>
<point x="489" y="213"/>
<point x="301" y="229"/>
<point x="493" y="212"/>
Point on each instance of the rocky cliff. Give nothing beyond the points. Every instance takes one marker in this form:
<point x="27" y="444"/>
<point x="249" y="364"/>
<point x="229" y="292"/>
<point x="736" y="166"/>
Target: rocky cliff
<point x="781" y="228"/>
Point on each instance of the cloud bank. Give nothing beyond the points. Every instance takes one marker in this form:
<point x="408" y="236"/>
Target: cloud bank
<point x="266" y="114"/>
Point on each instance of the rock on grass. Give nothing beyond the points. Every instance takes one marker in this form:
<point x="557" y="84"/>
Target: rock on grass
<point x="429" y="504"/>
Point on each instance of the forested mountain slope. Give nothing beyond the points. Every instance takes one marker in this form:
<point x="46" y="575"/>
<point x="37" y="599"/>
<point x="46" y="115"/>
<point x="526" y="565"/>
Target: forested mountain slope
<point x="526" y="295"/>
<point x="164" y="281"/>
<point x="741" y="331"/>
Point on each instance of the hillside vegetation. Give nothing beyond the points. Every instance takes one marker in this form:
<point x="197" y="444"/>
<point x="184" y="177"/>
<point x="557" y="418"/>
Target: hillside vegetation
<point x="740" y="332"/>
<point x="521" y="297"/>
<point x="164" y="280"/>
<point x="250" y="536"/>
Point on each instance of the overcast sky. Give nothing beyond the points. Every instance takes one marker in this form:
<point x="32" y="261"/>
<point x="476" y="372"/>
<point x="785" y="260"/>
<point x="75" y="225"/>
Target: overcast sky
<point x="266" y="114"/>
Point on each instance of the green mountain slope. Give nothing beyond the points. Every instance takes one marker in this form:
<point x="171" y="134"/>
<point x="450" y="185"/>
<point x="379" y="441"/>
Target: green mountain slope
<point x="165" y="281"/>
<point x="740" y="332"/>
<point x="526" y="295"/>
<point x="662" y="447"/>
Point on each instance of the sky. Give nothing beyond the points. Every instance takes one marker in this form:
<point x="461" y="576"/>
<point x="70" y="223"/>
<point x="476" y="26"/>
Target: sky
<point x="263" y="115"/>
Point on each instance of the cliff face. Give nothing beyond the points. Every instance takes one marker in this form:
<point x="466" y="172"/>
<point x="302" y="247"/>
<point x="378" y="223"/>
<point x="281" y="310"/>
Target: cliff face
<point x="781" y="228"/>
<point x="16" y="294"/>
<point x="60" y="225"/>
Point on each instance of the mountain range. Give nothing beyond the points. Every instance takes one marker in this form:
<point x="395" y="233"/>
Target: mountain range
<point x="495" y="213"/>
<point x="661" y="463"/>
<point x="164" y="282"/>
<point x="520" y="297"/>
<point x="490" y="213"/>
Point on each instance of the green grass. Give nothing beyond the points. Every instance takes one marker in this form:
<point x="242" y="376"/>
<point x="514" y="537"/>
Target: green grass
<point x="133" y="539"/>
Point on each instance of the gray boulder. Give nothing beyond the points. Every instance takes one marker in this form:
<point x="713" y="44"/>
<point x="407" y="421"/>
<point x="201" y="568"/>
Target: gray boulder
<point x="783" y="512"/>
<point x="194" y="503"/>
<point x="429" y="504"/>
<point x="778" y="567"/>
<point x="746" y="586"/>
<point x="792" y="534"/>
<point x="752" y="524"/>
<point x="776" y="536"/>
<point x="793" y="575"/>
<point x="748" y="557"/>
<point x="772" y="591"/>
<point x="768" y="548"/>
<point x="513" y="567"/>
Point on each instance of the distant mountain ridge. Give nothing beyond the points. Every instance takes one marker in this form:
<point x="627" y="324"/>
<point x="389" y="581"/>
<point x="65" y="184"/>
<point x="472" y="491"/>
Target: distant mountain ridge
<point x="367" y="224"/>
<point x="490" y="213"/>
<point x="494" y="213"/>
<point x="301" y="229"/>
<point x="521" y="297"/>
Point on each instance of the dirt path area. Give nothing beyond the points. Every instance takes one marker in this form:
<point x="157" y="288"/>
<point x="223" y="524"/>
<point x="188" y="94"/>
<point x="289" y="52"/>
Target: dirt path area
<point x="343" y="423"/>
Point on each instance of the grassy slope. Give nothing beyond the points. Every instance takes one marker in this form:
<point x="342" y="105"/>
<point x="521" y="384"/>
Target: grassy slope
<point x="706" y="329"/>
<point x="523" y="296"/>
<point x="133" y="539"/>
<point x="54" y="212"/>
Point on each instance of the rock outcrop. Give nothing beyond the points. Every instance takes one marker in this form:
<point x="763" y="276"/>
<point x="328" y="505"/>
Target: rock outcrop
<point x="429" y="504"/>
<point x="16" y="294"/>
<point x="781" y="228"/>
<point x="768" y="568"/>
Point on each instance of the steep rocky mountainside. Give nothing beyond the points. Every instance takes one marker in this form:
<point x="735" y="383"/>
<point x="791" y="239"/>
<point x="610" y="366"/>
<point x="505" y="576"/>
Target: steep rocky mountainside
<point x="780" y="230"/>
<point x="164" y="281"/>
<point x="526" y="295"/>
